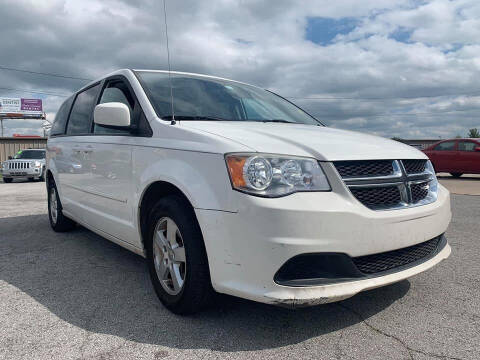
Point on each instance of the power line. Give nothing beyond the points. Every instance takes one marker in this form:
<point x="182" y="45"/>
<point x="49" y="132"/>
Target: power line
<point x="380" y="98"/>
<point x="287" y="97"/>
<point x="44" y="73"/>
<point x="409" y="114"/>
<point x="35" y="92"/>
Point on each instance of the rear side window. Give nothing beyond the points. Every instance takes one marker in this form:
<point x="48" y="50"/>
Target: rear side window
<point x="445" y="146"/>
<point x="467" y="146"/>
<point x="79" y="121"/>
<point x="58" y="127"/>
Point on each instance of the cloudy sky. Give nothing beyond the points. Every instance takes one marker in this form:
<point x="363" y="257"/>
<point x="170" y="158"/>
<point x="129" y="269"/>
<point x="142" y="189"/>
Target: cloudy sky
<point x="394" y="68"/>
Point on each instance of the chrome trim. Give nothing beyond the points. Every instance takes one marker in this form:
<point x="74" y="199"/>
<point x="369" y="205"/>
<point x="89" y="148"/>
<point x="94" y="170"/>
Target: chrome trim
<point x="376" y="185"/>
<point x="403" y="183"/>
<point x="397" y="174"/>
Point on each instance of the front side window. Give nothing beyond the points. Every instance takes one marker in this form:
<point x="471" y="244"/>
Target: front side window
<point x="116" y="91"/>
<point x="30" y="154"/>
<point x="467" y="146"/>
<point x="445" y="146"/>
<point x="204" y="98"/>
<point x="58" y="127"/>
<point x="79" y="121"/>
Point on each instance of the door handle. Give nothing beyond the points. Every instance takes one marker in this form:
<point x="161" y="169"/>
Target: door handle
<point x="86" y="149"/>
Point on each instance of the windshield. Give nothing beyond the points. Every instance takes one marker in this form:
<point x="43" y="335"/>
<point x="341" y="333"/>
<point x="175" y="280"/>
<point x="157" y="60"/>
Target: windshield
<point x="203" y="98"/>
<point x="30" y="154"/>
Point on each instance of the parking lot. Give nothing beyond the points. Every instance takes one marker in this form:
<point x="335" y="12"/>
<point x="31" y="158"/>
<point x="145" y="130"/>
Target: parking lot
<point x="76" y="295"/>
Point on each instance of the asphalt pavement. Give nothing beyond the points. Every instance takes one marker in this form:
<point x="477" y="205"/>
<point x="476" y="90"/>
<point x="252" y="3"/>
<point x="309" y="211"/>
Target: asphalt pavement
<point x="78" y="296"/>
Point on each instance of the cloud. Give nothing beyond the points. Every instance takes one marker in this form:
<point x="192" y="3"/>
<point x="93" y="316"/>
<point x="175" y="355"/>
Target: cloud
<point x="389" y="52"/>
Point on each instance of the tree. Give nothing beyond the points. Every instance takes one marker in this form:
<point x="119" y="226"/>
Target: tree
<point x="473" y="133"/>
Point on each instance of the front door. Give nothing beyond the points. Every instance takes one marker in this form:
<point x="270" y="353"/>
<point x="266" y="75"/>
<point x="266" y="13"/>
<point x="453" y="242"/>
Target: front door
<point x="110" y="184"/>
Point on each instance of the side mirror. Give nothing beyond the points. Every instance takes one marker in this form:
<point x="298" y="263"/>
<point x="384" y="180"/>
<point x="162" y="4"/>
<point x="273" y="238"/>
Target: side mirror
<point x="10" y="157"/>
<point x="113" y="114"/>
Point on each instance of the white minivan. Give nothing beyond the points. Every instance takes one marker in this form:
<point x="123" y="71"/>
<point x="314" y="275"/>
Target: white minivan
<point x="226" y="187"/>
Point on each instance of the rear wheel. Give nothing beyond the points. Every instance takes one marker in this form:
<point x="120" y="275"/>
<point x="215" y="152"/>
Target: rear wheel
<point x="456" y="175"/>
<point x="58" y="221"/>
<point x="7" y="180"/>
<point x="176" y="257"/>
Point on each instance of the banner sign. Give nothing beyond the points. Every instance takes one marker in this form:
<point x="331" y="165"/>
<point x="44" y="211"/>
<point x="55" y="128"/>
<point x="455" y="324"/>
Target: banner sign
<point x="19" y="107"/>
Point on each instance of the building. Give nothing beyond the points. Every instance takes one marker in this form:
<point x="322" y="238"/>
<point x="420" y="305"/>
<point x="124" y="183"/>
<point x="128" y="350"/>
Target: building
<point x="9" y="146"/>
<point x="419" y="143"/>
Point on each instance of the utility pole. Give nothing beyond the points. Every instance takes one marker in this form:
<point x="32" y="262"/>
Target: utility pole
<point x="1" y="122"/>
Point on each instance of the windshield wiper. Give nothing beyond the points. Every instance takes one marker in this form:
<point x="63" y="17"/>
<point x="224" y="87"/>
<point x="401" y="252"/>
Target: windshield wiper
<point x="195" y="117"/>
<point x="279" y="121"/>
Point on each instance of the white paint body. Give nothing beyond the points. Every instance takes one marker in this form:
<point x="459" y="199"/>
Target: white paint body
<point x="247" y="238"/>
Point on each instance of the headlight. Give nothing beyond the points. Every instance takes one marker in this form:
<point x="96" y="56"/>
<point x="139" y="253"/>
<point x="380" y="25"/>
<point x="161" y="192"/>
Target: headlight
<point x="433" y="183"/>
<point x="275" y="175"/>
<point x="38" y="164"/>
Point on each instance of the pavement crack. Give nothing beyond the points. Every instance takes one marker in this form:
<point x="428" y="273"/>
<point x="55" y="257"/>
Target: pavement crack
<point x="408" y="348"/>
<point x="86" y="339"/>
<point x="338" y="346"/>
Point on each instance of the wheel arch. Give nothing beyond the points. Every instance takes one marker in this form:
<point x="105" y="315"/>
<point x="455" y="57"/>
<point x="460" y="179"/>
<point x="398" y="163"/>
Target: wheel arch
<point x="150" y="195"/>
<point x="49" y="178"/>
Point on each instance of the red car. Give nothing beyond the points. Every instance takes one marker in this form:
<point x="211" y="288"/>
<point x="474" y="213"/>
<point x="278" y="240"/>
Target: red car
<point x="455" y="156"/>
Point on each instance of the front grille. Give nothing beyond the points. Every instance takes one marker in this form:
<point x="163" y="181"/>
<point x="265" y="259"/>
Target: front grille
<point x="17" y="165"/>
<point x="419" y="191"/>
<point x="376" y="263"/>
<point x="414" y="166"/>
<point x="378" y="196"/>
<point x="388" y="184"/>
<point x="350" y="169"/>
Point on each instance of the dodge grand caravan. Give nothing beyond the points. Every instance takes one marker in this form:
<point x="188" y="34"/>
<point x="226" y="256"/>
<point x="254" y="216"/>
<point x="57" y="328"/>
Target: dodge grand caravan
<point x="226" y="187"/>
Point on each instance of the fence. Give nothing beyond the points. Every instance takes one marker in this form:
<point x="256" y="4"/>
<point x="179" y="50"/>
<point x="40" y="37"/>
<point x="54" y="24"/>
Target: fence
<point x="9" y="146"/>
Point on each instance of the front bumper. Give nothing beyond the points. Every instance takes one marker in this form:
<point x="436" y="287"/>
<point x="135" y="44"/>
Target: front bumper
<point x="21" y="173"/>
<point x="247" y="248"/>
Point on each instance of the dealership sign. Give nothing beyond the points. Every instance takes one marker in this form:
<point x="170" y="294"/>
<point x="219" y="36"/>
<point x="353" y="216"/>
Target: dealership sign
<point x="20" y="107"/>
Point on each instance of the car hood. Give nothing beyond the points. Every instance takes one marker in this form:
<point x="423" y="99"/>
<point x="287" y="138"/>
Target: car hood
<point x="322" y="143"/>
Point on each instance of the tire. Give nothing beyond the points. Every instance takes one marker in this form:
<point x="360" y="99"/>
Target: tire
<point x="58" y="221"/>
<point x="456" y="175"/>
<point x="31" y="179"/>
<point x="7" y="180"/>
<point x="194" y="289"/>
<point x="42" y="177"/>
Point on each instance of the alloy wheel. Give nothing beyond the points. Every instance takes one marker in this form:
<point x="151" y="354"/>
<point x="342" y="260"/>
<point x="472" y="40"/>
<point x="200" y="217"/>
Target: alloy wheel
<point x="53" y="205"/>
<point x="169" y="256"/>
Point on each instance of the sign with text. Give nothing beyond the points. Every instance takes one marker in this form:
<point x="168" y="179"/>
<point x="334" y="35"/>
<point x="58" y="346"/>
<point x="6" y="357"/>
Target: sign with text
<point x="20" y="107"/>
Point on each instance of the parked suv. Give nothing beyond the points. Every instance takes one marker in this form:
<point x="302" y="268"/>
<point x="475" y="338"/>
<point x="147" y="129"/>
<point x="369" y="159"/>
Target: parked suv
<point x="227" y="187"/>
<point x="28" y="164"/>
<point x="455" y="156"/>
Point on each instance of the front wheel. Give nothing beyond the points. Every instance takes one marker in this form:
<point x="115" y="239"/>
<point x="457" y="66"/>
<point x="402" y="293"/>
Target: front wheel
<point x="7" y="180"/>
<point x="456" y="175"/>
<point x="176" y="256"/>
<point x="58" y="221"/>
